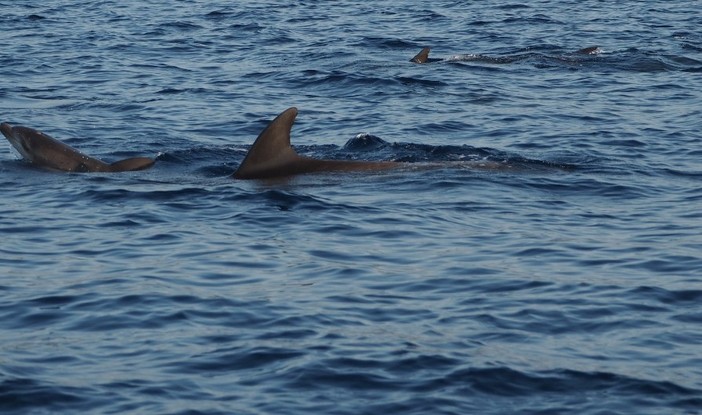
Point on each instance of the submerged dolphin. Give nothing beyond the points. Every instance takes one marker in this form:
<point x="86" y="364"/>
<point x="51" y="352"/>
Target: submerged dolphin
<point x="271" y="155"/>
<point x="49" y="153"/>
<point x="423" y="55"/>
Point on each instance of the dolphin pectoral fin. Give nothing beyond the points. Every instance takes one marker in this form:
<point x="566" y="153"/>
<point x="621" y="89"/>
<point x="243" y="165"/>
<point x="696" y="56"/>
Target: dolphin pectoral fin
<point x="271" y="153"/>
<point x="132" y="164"/>
<point x="422" y="56"/>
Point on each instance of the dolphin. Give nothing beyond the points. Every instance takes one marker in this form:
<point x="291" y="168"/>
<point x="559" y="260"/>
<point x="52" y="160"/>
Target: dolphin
<point x="51" y="154"/>
<point x="423" y="55"/>
<point x="272" y="156"/>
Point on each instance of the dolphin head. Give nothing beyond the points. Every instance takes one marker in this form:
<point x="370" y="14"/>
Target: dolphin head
<point x="20" y="138"/>
<point x="6" y="129"/>
<point x="47" y="152"/>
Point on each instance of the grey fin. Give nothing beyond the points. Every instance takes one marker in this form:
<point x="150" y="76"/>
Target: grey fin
<point x="271" y="149"/>
<point x="421" y="57"/>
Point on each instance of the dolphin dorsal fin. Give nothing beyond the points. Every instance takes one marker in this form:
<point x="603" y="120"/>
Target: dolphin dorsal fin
<point x="422" y="56"/>
<point x="271" y="149"/>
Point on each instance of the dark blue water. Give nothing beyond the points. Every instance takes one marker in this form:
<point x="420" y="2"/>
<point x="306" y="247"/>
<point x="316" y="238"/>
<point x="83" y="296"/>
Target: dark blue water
<point x="569" y="280"/>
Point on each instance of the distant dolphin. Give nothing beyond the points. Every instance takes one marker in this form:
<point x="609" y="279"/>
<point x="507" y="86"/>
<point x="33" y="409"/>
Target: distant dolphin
<point x="271" y="155"/>
<point x="49" y="153"/>
<point x="423" y="56"/>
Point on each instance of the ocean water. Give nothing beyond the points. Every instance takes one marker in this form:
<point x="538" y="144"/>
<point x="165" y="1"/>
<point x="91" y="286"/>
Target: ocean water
<point x="566" y="280"/>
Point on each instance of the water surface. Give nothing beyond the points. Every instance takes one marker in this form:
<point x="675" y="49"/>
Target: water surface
<point x="566" y="282"/>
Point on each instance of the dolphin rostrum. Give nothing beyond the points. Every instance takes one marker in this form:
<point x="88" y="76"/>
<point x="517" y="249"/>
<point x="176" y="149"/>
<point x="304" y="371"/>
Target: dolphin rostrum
<point x="49" y="153"/>
<point x="272" y="156"/>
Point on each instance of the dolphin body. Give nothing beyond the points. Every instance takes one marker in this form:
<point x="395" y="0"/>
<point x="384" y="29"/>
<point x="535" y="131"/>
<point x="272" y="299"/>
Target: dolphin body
<point x="272" y="156"/>
<point x="423" y="55"/>
<point x="51" y="154"/>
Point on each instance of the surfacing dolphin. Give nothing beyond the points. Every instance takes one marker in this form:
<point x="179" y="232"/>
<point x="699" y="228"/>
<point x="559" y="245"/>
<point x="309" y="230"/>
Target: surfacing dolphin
<point x="272" y="156"/>
<point x="423" y="56"/>
<point x="49" y="153"/>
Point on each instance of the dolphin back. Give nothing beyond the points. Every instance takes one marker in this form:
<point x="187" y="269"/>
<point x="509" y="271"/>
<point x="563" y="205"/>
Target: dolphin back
<point x="132" y="164"/>
<point x="272" y="156"/>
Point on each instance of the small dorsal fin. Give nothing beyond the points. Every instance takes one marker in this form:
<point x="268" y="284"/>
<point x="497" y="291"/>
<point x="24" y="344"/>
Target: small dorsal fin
<point x="272" y="147"/>
<point x="421" y="57"/>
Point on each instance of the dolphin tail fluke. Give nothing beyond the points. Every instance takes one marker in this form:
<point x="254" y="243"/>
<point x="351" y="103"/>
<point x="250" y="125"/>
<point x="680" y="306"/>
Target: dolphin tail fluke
<point x="132" y="164"/>
<point x="271" y="149"/>
<point x="421" y="57"/>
